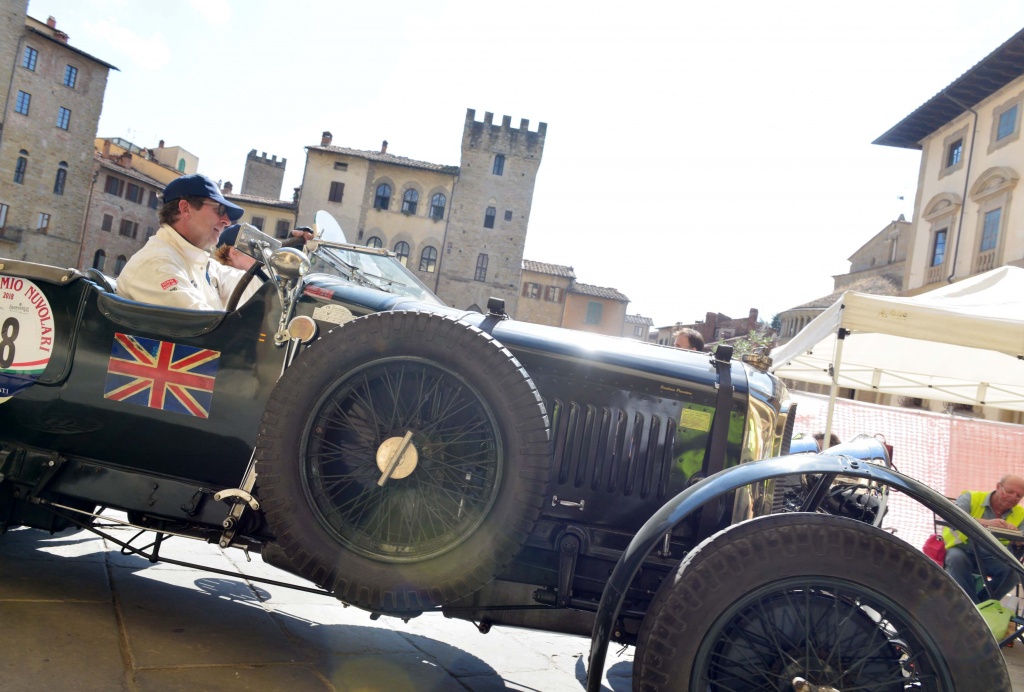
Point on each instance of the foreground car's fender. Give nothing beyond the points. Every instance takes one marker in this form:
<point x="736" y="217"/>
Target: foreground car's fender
<point x="691" y="499"/>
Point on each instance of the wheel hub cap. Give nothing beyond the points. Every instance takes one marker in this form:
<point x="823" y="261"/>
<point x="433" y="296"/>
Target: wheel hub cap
<point x="406" y="463"/>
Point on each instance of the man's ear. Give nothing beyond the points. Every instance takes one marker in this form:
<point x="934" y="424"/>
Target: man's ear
<point x="184" y="206"/>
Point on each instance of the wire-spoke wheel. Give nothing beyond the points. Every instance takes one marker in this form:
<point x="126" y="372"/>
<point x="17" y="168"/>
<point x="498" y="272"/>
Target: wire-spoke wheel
<point x="830" y="601"/>
<point x="403" y="461"/>
<point x="448" y="477"/>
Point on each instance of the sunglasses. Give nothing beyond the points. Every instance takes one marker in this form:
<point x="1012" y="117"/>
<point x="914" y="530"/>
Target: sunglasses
<point x="219" y="208"/>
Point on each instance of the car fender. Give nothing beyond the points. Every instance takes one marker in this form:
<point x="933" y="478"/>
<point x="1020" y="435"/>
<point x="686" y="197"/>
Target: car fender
<point x="690" y="500"/>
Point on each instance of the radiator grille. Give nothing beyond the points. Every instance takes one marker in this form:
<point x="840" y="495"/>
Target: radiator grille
<point x="611" y="450"/>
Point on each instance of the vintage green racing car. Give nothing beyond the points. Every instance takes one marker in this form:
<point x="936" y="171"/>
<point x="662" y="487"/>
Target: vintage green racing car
<point x="407" y="456"/>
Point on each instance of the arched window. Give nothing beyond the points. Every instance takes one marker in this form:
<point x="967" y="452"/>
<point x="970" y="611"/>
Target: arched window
<point x="20" y="166"/>
<point x="437" y="203"/>
<point x="402" y="250"/>
<point x="383" y="198"/>
<point x="181" y="165"/>
<point x="409" y="201"/>
<point x="428" y="259"/>
<point x="374" y="241"/>
<point x="119" y="264"/>
<point x="62" y="176"/>
<point x="98" y="259"/>
<point x="481" y="268"/>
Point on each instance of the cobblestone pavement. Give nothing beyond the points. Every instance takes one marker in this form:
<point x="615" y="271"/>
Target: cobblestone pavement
<point x="86" y="618"/>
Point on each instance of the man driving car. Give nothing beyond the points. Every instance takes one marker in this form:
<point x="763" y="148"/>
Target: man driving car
<point x="173" y="268"/>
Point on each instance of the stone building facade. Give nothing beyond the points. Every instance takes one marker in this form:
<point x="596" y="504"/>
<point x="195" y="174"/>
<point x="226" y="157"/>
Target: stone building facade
<point x="885" y="254"/>
<point x="877" y="267"/>
<point x="263" y="177"/>
<point x="550" y="294"/>
<point x="483" y="246"/>
<point x="792" y="320"/>
<point x="52" y="108"/>
<point x="666" y="334"/>
<point x="160" y="164"/>
<point x="12" y="27"/>
<point x="967" y="217"/>
<point x="122" y="214"/>
<point x="714" y="327"/>
<point x="461" y="229"/>
<point x="175" y="158"/>
<point x="542" y="298"/>
<point x="275" y="217"/>
<point x="637" y="327"/>
<point x="381" y="200"/>
<point x="596" y="309"/>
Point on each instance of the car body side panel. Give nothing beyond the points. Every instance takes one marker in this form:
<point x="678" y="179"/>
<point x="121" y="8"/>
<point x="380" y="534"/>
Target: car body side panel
<point x="84" y="417"/>
<point x="629" y="420"/>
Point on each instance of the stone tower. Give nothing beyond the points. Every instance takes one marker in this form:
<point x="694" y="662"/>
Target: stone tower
<point x="263" y="177"/>
<point x="482" y="253"/>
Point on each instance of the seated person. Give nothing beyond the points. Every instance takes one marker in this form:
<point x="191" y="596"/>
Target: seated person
<point x="227" y="256"/>
<point x="173" y="268"/>
<point x="819" y="439"/>
<point x="225" y="252"/>
<point x="996" y="509"/>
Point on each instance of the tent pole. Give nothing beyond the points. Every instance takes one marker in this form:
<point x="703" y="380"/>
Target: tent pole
<point x="834" y="374"/>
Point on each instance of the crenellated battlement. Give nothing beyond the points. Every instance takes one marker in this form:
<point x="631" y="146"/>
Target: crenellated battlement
<point x="263" y="177"/>
<point x="517" y="141"/>
<point x="272" y="161"/>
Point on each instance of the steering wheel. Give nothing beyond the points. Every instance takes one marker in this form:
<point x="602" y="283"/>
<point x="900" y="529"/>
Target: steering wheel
<point x="243" y="283"/>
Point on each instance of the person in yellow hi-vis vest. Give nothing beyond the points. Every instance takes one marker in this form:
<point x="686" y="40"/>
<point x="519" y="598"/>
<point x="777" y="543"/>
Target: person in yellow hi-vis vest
<point x="996" y="509"/>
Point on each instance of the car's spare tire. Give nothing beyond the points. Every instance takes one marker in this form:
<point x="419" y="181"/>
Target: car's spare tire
<point x="392" y="531"/>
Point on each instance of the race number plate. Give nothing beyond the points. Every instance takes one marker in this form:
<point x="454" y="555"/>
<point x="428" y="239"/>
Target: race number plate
<point x="26" y="334"/>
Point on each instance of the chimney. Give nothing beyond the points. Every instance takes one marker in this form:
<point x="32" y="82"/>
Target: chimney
<point x="228" y="187"/>
<point x="295" y="195"/>
<point x="384" y="147"/>
<point x="325" y="139"/>
<point x="160" y="145"/>
<point x="51" y="22"/>
<point x="106" y="148"/>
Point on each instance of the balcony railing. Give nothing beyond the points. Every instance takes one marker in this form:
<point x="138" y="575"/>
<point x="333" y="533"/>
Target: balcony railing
<point x="985" y="261"/>
<point x="934" y="274"/>
<point x="11" y="235"/>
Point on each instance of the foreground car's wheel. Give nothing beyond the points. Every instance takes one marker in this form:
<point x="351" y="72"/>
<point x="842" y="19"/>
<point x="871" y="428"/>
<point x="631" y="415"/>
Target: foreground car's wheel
<point x="833" y="601"/>
<point x="398" y="531"/>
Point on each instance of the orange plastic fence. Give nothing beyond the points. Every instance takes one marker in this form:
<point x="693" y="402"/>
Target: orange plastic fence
<point x="949" y="453"/>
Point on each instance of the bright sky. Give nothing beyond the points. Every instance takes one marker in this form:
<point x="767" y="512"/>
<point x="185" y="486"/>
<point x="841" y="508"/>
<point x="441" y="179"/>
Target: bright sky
<point x="711" y="156"/>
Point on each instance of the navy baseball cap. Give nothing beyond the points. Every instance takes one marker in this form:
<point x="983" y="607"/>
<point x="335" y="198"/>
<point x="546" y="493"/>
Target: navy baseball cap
<point x="198" y="185"/>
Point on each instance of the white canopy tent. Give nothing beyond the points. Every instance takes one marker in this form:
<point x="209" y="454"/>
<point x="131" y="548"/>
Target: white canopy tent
<point x="962" y="343"/>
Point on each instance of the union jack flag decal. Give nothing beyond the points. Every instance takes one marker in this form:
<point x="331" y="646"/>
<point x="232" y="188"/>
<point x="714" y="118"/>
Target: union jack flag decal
<point x="162" y="375"/>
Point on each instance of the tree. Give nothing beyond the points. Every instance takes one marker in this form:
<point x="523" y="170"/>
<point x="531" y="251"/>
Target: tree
<point x="758" y="341"/>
